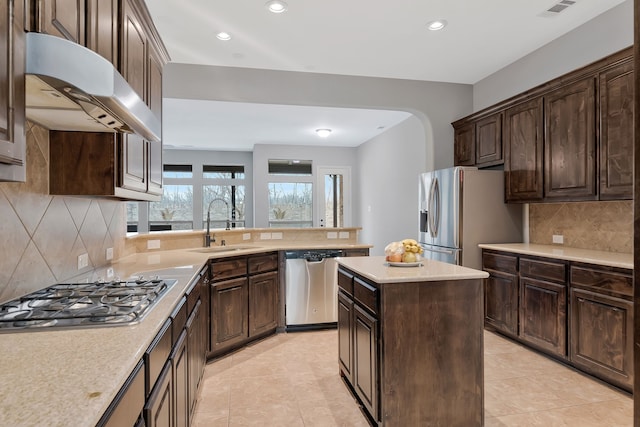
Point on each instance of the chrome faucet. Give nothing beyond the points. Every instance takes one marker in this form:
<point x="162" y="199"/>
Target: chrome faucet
<point x="207" y="236"/>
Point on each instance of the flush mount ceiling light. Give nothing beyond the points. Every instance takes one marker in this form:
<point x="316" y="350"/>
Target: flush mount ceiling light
<point x="276" y="6"/>
<point x="323" y="133"/>
<point x="437" y="25"/>
<point x="223" y="36"/>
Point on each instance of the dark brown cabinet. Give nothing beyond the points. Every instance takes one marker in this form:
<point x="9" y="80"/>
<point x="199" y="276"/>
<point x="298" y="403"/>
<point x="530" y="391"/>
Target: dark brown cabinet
<point x="543" y="305"/>
<point x="263" y="303"/>
<point x="102" y="28"/>
<point x="489" y="141"/>
<point x="12" y="91"/>
<point x="465" y="145"/>
<point x="159" y="409"/>
<point x="365" y="354"/>
<point x="345" y="334"/>
<point x="62" y="18"/>
<point x="127" y="407"/>
<point x="523" y="152"/>
<point x="501" y="292"/>
<point x="616" y="132"/>
<point x="229" y="313"/>
<point x="579" y="313"/>
<point x="244" y="300"/>
<point x="570" y="142"/>
<point x="180" y="361"/>
<point x="602" y="323"/>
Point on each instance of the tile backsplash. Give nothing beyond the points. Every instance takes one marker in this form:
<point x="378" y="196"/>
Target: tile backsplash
<point x="43" y="235"/>
<point x="606" y="226"/>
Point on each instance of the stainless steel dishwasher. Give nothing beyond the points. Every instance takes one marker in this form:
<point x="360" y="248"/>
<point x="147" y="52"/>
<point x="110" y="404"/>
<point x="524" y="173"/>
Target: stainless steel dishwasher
<point x="311" y="289"/>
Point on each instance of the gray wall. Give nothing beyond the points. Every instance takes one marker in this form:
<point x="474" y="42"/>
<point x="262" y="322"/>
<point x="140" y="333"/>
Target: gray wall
<point x="388" y="198"/>
<point x="608" y="33"/>
<point x="436" y="105"/>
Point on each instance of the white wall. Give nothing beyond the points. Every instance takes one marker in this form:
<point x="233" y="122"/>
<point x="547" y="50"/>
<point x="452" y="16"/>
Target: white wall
<point x="388" y="198"/>
<point x="610" y="32"/>
<point x="320" y="156"/>
<point x="435" y="104"/>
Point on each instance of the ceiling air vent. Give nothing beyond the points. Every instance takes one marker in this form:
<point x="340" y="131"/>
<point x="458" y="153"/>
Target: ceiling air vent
<point x="557" y="8"/>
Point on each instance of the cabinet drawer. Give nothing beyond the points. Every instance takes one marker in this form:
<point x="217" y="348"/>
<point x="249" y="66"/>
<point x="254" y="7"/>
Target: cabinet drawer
<point x="157" y="354"/>
<point x="193" y="297"/>
<point x="366" y="294"/>
<point x="602" y="279"/>
<point x="260" y="264"/>
<point x="543" y="269"/>
<point x="500" y="262"/>
<point x="345" y="281"/>
<point x="235" y="267"/>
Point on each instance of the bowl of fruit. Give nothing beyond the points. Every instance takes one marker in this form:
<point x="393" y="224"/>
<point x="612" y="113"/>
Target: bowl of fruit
<point x="405" y="253"/>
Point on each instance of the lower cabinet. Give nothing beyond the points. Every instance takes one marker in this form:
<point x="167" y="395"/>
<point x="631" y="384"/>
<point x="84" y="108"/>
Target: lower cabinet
<point x="159" y="409"/>
<point x="244" y="300"/>
<point x="602" y="323"/>
<point x="580" y="313"/>
<point x="180" y="361"/>
<point x="345" y="334"/>
<point x="365" y="350"/>
<point x="126" y="408"/>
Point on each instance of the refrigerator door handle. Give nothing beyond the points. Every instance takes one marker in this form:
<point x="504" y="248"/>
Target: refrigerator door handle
<point x="440" y="251"/>
<point x="434" y="207"/>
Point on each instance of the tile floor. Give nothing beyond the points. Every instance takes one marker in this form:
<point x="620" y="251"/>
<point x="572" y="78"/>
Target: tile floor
<point x="292" y="380"/>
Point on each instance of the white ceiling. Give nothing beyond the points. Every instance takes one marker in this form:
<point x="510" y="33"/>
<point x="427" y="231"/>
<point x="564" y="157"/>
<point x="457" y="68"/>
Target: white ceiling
<point x="354" y="37"/>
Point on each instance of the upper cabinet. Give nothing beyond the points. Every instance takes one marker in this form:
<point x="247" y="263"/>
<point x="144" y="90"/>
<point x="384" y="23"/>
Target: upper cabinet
<point x="12" y="91"/>
<point x="122" y="32"/>
<point x="523" y="148"/>
<point x="62" y="18"/>
<point x="616" y="132"/>
<point x="569" y="139"/>
<point x="570" y="142"/>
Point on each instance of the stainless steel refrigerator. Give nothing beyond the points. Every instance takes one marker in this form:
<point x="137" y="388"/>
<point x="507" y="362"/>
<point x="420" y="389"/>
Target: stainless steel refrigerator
<point x="462" y="207"/>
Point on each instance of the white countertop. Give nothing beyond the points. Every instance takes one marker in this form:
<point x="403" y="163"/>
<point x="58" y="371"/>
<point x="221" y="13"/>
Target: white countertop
<point x="378" y="270"/>
<point x="611" y="259"/>
<point x="69" y="377"/>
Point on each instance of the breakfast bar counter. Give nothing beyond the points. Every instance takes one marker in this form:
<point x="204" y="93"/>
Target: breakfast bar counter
<point x="411" y="341"/>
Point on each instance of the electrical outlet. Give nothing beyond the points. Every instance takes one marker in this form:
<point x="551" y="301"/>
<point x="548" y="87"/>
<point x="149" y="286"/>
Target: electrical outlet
<point x="265" y="236"/>
<point x="110" y="273"/>
<point x="83" y="261"/>
<point x="246" y="236"/>
<point x="153" y="244"/>
<point x="332" y="235"/>
<point x="109" y="254"/>
<point x="276" y="236"/>
<point x="343" y="234"/>
<point x="558" y="239"/>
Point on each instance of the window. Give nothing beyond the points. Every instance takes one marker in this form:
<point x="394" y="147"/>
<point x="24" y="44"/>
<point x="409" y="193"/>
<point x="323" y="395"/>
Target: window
<point x="132" y="217"/>
<point x="174" y="211"/>
<point x="290" y="167"/>
<point x="177" y="171"/>
<point x="223" y="196"/>
<point x="290" y="204"/>
<point x="333" y="200"/>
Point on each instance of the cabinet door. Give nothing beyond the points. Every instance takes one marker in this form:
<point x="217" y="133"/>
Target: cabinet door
<point x="193" y="361"/>
<point x="616" y="132"/>
<point x="602" y="336"/>
<point x="489" y="141"/>
<point x="180" y="360"/>
<point x="133" y="155"/>
<point x="133" y="48"/>
<point x="501" y="302"/>
<point x="464" y="145"/>
<point x="154" y="101"/>
<point x="345" y="335"/>
<point x="569" y="142"/>
<point x="365" y="373"/>
<point x="63" y="18"/>
<point x="543" y="315"/>
<point x="229" y="313"/>
<point x="263" y="303"/>
<point x="12" y="92"/>
<point x="158" y="411"/>
<point x="102" y="28"/>
<point x="523" y="149"/>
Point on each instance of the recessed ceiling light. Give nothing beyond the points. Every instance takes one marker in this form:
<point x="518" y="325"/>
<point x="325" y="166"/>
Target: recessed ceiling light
<point x="323" y="133"/>
<point x="223" y="36"/>
<point x="437" y="25"/>
<point x="276" y="6"/>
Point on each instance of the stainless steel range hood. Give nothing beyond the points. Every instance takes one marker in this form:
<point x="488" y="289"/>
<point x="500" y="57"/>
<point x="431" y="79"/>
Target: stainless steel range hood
<point x="70" y="87"/>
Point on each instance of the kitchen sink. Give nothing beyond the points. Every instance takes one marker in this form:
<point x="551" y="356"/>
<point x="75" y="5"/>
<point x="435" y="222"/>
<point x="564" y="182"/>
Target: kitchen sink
<point x="218" y="249"/>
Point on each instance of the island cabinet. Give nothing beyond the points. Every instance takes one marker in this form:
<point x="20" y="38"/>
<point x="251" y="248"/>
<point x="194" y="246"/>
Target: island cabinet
<point x="602" y="323"/>
<point x="244" y="300"/>
<point x="412" y="351"/>
<point x="580" y="314"/>
<point x="12" y="91"/>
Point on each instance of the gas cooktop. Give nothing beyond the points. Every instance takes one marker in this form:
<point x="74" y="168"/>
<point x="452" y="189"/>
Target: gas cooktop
<point x="80" y="305"/>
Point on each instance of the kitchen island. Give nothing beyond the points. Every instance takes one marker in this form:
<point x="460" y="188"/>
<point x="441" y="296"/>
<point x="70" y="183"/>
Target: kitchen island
<point x="411" y="341"/>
